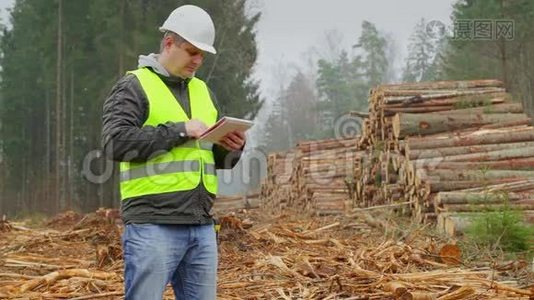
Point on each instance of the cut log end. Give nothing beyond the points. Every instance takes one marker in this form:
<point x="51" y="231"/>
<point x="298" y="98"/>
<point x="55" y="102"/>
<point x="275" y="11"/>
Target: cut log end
<point x="450" y="254"/>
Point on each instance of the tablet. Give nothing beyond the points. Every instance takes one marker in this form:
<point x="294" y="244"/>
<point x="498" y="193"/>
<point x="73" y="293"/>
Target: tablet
<point x="224" y="126"/>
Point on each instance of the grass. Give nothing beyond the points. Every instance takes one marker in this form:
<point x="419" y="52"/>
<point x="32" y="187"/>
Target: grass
<point x="501" y="230"/>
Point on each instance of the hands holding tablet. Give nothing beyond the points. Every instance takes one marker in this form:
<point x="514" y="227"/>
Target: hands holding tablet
<point x="228" y="132"/>
<point x="233" y="141"/>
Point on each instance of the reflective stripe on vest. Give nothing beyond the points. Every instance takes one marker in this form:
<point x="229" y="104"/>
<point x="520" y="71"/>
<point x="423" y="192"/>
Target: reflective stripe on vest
<point x="184" y="167"/>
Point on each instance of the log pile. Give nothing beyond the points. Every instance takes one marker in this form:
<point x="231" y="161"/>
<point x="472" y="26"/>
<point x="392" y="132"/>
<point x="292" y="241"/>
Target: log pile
<point x="444" y="141"/>
<point x="276" y="187"/>
<point x="225" y="204"/>
<point x="316" y="177"/>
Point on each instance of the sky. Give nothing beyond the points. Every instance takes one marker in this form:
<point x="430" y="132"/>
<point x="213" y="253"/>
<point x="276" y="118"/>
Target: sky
<point x="3" y="13"/>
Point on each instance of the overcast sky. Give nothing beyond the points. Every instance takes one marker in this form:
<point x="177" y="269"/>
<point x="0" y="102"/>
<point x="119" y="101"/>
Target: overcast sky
<point x="288" y="29"/>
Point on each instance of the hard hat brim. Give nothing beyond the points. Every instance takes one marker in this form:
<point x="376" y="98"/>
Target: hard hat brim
<point x="201" y="46"/>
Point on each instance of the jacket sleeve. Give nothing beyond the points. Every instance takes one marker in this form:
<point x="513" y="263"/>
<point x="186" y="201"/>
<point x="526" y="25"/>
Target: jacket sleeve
<point x="123" y="136"/>
<point x="224" y="159"/>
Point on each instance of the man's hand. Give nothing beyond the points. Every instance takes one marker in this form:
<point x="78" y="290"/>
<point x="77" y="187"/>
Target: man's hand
<point x="233" y="141"/>
<point x="195" y="128"/>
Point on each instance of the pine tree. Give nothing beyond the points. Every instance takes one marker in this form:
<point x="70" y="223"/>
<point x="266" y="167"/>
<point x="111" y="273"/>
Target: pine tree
<point x="276" y="133"/>
<point x="300" y="103"/>
<point x="421" y="54"/>
<point x="374" y="60"/>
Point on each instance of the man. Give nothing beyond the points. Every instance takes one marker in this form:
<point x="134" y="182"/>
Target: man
<point x="152" y="119"/>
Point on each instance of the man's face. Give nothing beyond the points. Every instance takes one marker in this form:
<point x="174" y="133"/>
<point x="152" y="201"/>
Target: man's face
<point x="186" y="59"/>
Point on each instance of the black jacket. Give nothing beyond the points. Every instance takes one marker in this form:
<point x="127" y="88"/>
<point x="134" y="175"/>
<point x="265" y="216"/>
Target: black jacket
<point x="124" y="139"/>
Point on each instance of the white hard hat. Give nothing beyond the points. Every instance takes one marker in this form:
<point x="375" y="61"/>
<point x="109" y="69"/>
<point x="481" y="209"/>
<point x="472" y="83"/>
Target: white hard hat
<point x="194" y="25"/>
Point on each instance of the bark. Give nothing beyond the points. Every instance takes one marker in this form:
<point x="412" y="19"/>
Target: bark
<point x="454" y="100"/>
<point x="473" y="175"/>
<point x="451" y="151"/>
<point x="485" y="208"/>
<point x="443" y="186"/>
<point x="514" y="186"/>
<point x="58" y="152"/>
<point x="514" y="108"/>
<point x="478" y="198"/>
<point x="475" y="95"/>
<point x="498" y="155"/>
<point x="509" y="164"/>
<point x="491" y="137"/>
<point x="405" y="124"/>
<point x="422" y="109"/>
<point x="453" y="85"/>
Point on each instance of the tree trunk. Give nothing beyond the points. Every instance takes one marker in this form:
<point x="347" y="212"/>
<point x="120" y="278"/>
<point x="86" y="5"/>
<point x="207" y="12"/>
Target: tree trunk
<point x="71" y="186"/>
<point x="497" y="155"/>
<point x="439" y="185"/>
<point x="480" y="198"/>
<point x="422" y="109"/>
<point x="454" y="151"/>
<point x="48" y="159"/>
<point x="405" y="124"/>
<point x="454" y="100"/>
<point x="435" y="85"/>
<point x="122" y="41"/>
<point x="59" y="153"/>
<point x="509" y="164"/>
<point x="474" y="175"/>
<point x="492" y="137"/>
<point x="514" y="108"/>
<point x="520" y="185"/>
<point x="64" y="121"/>
<point x="528" y="205"/>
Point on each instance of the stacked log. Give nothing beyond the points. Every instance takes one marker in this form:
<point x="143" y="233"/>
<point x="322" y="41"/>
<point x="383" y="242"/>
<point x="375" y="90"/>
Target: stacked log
<point x="323" y="178"/>
<point x="315" y="177"/>
<point x="449" y="140"/>
<point x="276" y="187"/>
<point x="387" y="100"/>
<point x="234" y="203"/>
<point x="419" y="141"/>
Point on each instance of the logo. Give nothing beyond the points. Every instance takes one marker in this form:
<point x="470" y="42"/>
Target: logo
<point x="436" y="29"/>
<point x="347" y="127"/>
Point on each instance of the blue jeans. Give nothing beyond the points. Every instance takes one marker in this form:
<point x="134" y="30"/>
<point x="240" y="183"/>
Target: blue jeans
<point x="184" y="255"/>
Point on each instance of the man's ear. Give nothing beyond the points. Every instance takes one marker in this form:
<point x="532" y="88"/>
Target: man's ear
<point x="167" y="42"/>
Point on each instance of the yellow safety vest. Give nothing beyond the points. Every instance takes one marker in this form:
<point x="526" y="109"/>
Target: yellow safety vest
<point x="183" y="167"/>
